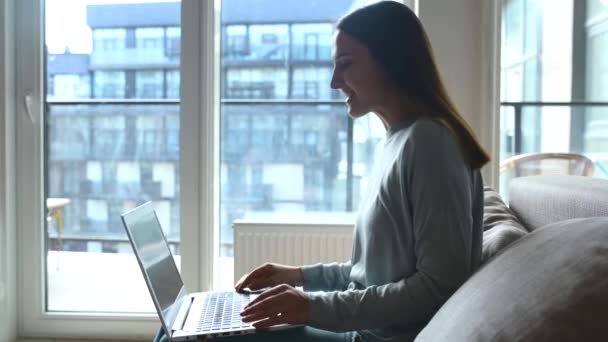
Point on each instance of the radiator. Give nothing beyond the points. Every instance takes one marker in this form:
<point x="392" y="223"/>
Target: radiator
<point x="289" y="244"/>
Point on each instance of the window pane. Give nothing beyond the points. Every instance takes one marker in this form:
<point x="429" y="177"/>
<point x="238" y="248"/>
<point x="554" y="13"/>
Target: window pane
<point x="278" y="157"/>
<point x="595" y="136"/>
<point x="596" y="8"/>
<point x="106" y="157"/>
<point x="531" y="123"/>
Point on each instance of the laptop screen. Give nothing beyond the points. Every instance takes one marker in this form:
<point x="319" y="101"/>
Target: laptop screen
<point x="156" y="262"/>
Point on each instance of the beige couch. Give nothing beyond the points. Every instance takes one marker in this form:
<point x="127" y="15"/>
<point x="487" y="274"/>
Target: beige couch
<point x="549" y="285"/>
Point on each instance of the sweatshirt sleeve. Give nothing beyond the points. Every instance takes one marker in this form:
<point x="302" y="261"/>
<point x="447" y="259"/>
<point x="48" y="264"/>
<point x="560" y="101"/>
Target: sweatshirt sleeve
<point x="326" y="277"/>
<point x="436" y="185"/>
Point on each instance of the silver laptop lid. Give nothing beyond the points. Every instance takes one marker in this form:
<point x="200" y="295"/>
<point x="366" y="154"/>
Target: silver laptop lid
<point x="156" y="262"/>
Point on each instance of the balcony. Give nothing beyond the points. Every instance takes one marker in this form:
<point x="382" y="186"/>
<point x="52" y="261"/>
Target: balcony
<point x="277" y="55"/>
<point x="135" y="58"/>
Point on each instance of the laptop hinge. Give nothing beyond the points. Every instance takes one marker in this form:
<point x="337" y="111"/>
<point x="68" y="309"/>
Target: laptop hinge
<point x="182" y="314"/>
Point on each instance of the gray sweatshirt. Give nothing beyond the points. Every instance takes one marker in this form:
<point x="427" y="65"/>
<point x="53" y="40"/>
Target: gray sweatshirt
<point x="417" y="239"/>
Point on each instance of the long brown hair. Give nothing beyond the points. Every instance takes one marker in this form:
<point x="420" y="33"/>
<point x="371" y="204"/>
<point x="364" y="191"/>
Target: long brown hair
<point x="397" y="41"/>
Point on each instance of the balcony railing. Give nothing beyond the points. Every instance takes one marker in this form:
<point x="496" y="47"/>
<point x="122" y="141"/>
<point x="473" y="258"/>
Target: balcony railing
<point x="579" y="126"/>
<point x="592" y="127"/>
<point x="577" y="107"/>
<point x="289" y="142"/>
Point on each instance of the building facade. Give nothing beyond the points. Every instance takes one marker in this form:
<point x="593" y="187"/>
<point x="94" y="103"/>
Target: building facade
<point x="114" y="120"/>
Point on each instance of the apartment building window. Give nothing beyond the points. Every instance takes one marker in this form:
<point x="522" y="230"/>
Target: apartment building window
<point x="109" y="39"/>
<point x="308" y="82"/>
<point x="311" y="41"/>
<point x="71" y="86"/>
<point x="149" y="137"/>
<point x="109" y="137"/>
<point x="70" y="137"/>
<point x="172" y="84"/>
<point x="269" y="42"/>
<point x="172" y="136"/>
<point x="110" y="84"/>
<point x="236" y="41"/>
<point x="149" y="38"/>
<point x="173" y="42"/>
<point x="256" y="83"/>
<point x="149" y="84"/>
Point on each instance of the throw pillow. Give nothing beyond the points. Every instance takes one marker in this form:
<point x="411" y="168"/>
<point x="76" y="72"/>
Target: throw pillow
<point x="550" y="286"/>
<point x="501" y="226"/>
<point x="498" y="238"/>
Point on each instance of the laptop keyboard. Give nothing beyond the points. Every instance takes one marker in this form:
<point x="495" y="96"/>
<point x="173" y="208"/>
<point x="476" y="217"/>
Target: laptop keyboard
<point x="222" y="311"/>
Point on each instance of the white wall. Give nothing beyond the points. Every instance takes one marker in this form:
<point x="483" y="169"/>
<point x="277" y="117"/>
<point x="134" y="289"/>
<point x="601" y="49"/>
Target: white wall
<point x="465" y="35"/>
<point x="8" y="288"/>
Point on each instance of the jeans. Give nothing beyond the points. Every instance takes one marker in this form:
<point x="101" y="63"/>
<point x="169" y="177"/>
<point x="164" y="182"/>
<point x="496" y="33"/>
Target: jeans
<point x="302" y="334"/>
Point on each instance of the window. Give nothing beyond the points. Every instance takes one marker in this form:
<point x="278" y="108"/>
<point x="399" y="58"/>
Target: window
<point x="116" y="150"/>
<point x="109" y="39"/>
<point x="312" y="41"/>
<point x="173" y="45"/>
<point x="149" y="137"/>
<point x="278" y="157"/>
<point x="595" y="136"/>
<point x="308" y="82"/>
<point x="553" y="80"/>
<point x="71" y="86"/>
<point x="269" y="42"/>
<point x="236" y="41"/>
<point x="172" y="84"/>
<point x="93" y="164"/>
<point x="109" y="84"/>
<point x="521" y="71"/>
<point x="149" y="84"/>
<point x="149" y="38"/>
<point x="258" y="83"/>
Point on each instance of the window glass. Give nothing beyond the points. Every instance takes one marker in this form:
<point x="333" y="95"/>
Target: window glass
<point x="149" y="84"/>
<point x="596" y="8"/>
<point x="595" y="136"/>
<point x="149" y="38"/>
<point x="109" y="39"/>
<point x="279" y="157"/>
<point x="109" y="84"/>
<point x="541" y="65"/>
<point x="107" y="156"/>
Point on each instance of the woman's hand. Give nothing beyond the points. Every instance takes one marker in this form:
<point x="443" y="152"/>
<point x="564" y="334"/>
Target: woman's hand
<point x="269" y="275"/>
<point x="281" y="304"/>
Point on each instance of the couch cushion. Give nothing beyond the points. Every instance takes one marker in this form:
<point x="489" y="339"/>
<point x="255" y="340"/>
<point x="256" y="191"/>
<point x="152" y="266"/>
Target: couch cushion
<point x="540" y="200"/>
<point x="501" y="226"/>
<point x="551" y="285"/>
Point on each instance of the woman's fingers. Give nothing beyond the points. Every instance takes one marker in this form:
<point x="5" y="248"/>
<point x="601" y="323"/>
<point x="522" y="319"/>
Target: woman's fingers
<point x="281" y="304"/>
<point x="266" y="294"/>
<point x="254" y="277"/>
<point x="269" y="322"/>
<point x="267" y="307"/>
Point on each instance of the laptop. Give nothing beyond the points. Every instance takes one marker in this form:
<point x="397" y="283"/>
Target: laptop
<point x="184" y="316"/>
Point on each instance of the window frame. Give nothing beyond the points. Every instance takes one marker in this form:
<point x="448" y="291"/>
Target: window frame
<point x="199" y="168"/>
<point x="198" y="155"/>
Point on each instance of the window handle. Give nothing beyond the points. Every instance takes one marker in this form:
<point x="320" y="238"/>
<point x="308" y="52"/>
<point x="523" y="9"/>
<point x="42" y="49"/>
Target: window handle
<point x="28" y="100"/>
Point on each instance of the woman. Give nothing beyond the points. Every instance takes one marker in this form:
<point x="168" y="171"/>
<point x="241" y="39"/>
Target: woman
<point x="418" y="232"/>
